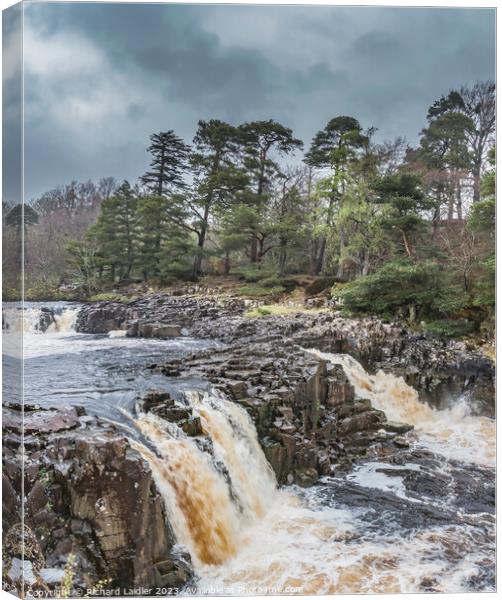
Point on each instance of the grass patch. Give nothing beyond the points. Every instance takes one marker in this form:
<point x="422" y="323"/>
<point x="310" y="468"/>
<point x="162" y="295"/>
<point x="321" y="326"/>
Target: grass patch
<point x="254" y="290"/>
<point x="280" y="309"/>
<point x="111" y="297"/>
<point x="450" y="328"/>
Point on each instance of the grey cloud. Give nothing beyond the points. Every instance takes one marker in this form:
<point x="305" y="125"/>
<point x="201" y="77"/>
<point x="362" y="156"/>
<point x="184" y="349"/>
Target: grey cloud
<point x="166" y="66"/>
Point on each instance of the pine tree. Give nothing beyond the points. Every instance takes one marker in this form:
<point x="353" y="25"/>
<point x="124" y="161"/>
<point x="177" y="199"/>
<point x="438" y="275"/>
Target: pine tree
<point x="163" y="246"/>
<point x="169" y="164"/>
<point x="218" y="177"/>
<point x="115" y="232"/>
<point x="261" y="140"/>
<point x="334" y="147"/>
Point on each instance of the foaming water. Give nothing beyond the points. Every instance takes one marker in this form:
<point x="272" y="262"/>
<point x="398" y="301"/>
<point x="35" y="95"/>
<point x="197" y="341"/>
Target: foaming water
<point x="210" y="495"/>
<point x="198" y="500"/>
<point x="247" y="537"/>
<point x="452" y="432"/>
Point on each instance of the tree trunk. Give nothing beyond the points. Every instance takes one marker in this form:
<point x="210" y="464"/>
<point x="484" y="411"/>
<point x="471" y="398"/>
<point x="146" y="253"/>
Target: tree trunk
<point x="320" y="257"/>
<point x="282" y="256"/>
<point x="197" y="264"/>
<point x="476" y="174"/>
<point x="451" y="205"/>
<point x="254" y="249"/>
<point x="341" y="266"/>
<point x="161" y="172"/>
<point x="261" y="180"/>
<point x="459" y="201"/>
<point x="226" y="268"/>
<point x="366" y="263"/>
<point x="407" y="244"/>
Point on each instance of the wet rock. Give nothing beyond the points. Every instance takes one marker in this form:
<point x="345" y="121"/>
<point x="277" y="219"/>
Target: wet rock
<point x="36" y="499"/>
<point x="438" y="368"/>
<point x="101" y="317"/>
<point x="192" y="426"/>
<point x="304" y="409"/>
<point x="166" y="331"/>
<point x="306" y="477"/>
<point x="46" y="319"/>
<point x="89" y="494"/>
<point x="41" y="421"/>
<point x="111" y="489"/>
<point x="397" y="427"/>
<point x="401" y="442"/>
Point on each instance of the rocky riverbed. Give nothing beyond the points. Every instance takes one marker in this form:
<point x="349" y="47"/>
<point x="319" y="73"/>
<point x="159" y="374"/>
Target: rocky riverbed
<point x="436" y="366"/>
<point x="93" y="493"/>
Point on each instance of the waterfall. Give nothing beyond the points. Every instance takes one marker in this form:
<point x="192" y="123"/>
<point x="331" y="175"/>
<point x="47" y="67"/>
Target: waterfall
<point x="64" y="321"/>
<point x="452" y="432"/>
<point x="246" y="536"/>
<point x="37" y="320"/>
<point x="212" y="491"/>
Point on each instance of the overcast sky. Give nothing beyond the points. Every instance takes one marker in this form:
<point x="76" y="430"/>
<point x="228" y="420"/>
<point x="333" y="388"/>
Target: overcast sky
<point x="99" y="78"/>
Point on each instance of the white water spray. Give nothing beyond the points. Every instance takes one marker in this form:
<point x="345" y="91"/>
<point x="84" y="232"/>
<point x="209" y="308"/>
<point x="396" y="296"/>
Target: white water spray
<point x="452" y="432"/>
<point x="248" y="537"/>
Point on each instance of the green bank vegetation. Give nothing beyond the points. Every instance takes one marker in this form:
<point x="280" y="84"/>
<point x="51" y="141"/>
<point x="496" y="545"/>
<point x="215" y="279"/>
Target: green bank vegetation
<point x="402" y="232"/>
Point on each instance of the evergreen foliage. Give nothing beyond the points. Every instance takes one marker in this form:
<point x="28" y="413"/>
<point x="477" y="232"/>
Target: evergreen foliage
<point x="406" y="232"/>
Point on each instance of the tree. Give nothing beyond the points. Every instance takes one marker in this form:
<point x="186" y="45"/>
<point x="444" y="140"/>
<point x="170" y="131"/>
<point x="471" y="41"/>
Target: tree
<point x="478" y="104"/>
<point x="405" y="199"/>
<point x="334" y="147"/>
<point x="164" y="249"/>
<point x="261" y="140"/>
<point x="169" y="163"/>
<point x="21" y="217"/>
<point x="444" y="147"/>
<point x="218" y="178"/>
<point x="481" y="223"/>
<point x="84" y="261"/>
<point x="116" y="231"/>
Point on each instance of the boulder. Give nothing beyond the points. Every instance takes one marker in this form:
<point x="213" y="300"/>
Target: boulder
<point x="166" y="331"/>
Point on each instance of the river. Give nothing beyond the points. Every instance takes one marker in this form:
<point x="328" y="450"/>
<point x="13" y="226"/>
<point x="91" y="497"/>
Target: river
<point x="420" y="520"/>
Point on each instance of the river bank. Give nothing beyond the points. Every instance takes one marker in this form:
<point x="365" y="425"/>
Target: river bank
<point x="207" y="407"/>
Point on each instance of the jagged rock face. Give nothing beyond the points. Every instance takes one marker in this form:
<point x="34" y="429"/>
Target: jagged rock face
<point x="438" y="368"/>
<point x="154" y="316"/>
<point x="88" y="493"/>
<point x="101" y="317"/>
<point x="304" y="409"/>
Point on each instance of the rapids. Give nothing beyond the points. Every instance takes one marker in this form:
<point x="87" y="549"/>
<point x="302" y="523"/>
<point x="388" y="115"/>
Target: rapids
<point x="383" y="527"/>
<point x="451" y="432"/>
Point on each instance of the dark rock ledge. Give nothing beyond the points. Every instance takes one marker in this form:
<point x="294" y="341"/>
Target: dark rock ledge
<point x="89" y="494"/>
<point x="304" y="409"/>
<point x="438" y="368"/>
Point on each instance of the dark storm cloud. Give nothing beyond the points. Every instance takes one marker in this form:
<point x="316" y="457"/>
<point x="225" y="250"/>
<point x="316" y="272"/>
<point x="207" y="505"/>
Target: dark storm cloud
<point x="100" y="78"/>
<point x="11" y="101"/>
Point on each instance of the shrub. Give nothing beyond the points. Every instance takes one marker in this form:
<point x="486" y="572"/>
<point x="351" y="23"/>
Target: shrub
<point x="450" y="328"/>
<point x="403" y="289"/>
<point x="320" y="284"/>
<point x="259" y="291"/>
<point x="271" y="282"/>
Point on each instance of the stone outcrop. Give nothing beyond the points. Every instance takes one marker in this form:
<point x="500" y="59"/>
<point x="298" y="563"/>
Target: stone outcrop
<point x="165" y="313"/>
<point x="439" y="368"/>
<point x="91" y="496"/>
<point x="304" y="409"/>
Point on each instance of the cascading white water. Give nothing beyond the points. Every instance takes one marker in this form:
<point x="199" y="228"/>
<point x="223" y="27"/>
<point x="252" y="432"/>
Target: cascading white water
<point x="207" y="513"/>
<point x="452" y="432"/>
<point x="28" y="320"/>
<point x="246" y="536"/>
<point x="29" y="331"/>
